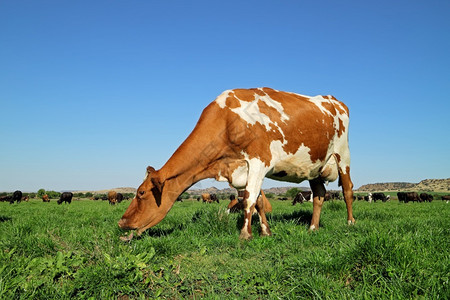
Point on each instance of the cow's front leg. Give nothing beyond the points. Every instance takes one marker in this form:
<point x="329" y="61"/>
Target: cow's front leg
<point x="256" y="175"/>
<point x="318" y="191"/>
<point x="246" y="231"/>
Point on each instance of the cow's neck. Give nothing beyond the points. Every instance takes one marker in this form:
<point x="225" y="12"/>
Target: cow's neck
<point x="195" y="159"/>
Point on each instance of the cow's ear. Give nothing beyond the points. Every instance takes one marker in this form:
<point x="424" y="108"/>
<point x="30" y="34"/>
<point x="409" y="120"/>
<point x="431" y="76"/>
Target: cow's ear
<point x="150" y="170"/>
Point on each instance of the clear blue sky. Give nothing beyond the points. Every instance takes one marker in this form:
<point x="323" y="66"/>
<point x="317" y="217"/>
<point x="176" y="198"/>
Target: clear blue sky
<point x="91" y="92"/>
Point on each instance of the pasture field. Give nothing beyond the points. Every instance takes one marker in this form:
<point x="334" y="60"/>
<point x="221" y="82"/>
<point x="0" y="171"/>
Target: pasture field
<point x="395" y="251"/>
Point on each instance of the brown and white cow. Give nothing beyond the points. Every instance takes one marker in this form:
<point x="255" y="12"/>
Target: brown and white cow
<point x="244" y="136"/>
<point x="238" y="204"/>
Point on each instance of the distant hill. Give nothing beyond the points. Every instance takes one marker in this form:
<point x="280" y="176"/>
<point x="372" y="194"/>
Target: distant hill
<point x="427" y="185"/>
<point x="123" y="190"/>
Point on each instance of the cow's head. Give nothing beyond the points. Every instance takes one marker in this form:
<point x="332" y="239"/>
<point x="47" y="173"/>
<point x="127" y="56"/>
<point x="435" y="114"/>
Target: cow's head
<point x="146" y="209"/>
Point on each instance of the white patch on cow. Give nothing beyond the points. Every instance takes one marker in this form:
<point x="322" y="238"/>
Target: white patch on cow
<point x="298" y="166"/>
<point x="250" y="113"/>
<point x="249" y="110"/>
<point x="239" y="177"/>
<point x="312" y="227"/>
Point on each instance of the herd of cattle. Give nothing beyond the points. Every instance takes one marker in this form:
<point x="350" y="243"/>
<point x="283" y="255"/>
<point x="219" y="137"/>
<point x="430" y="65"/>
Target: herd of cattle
<point x="112" y="197"/>
<point x="237" y="204"/>
<point x="401" y="196"/>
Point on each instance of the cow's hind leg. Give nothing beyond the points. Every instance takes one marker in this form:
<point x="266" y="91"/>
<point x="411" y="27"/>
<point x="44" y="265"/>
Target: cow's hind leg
<point x="347" y="190"/>
<point x="265" y="230"/>
<point x="318" y="191"/>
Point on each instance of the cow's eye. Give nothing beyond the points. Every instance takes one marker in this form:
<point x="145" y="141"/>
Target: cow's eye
<point x="141" y="193"/>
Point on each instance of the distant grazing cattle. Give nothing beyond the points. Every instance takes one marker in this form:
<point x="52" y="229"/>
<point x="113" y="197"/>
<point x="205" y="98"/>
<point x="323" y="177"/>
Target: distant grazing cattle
<point x="65" y="197"/>
<point x="412" y="196"/>
<point x="25" y="198"/>
<point x="5" y="198"/>
<point x="426" y="197"/>
<point x="445" y="197"/>
<point x="368" y="198"/>
<point x="209" y="198"/>
<point x="244" y="136"/>
<point x="360" y="197"/>
<point x="302" y="197"/>
<point x="262" y="206"/>
<point x="408" y="196"/>
<point x="119" y="197"/>
<point x="16" y="197"/>
<point x="112" y="197"/>
<point x="335" y="195"/>
<point x="45" y="198"/>
<point x="379" y="196"/>
<point x="401" y="196"/>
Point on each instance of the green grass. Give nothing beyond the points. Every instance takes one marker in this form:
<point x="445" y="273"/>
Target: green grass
<point x="395" y="251"/>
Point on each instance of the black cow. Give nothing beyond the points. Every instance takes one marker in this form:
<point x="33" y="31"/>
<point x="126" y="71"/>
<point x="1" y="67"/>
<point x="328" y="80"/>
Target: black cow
<point x="119" y="197"/>
<point x="17" y="196"/>
<point x="65" y="197"/>
<point x="408" y="196"/>
<point x="426" y="197"/>
<point x="445" y="197"/>
<point x="401" y="196"/>
<point x="335" y="195"/>
<point x="379" y="196"/>
<point x="301" y="197"/>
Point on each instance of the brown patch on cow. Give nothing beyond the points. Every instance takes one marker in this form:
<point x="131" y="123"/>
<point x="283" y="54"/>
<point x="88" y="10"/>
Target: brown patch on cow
<point x="232" y="102"/>
<point x="309" y="126"/>
<point x="330" y="107"/>
<point x="343" y="110"/>
<point x="338" y="157"/>
<point x="244" y="94"/>
<point x="269" y="111"/>
<point x="341" y="128"/>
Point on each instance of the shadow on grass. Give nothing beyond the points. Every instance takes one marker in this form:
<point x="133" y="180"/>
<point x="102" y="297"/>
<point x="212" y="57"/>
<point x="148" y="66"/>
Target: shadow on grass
<point x="300" y="217"/>
<point x="5" y="218"/>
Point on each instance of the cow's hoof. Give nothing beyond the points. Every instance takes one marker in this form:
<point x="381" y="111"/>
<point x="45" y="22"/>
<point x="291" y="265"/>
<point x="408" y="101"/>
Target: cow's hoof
<point x="245" y="236"/>
<point x="265" y="232"/>
<point x="313" y="228"/>
<point x="351" y="222"/>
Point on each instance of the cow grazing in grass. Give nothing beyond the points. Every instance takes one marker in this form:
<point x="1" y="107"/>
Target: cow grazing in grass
<point x="244" y="136"/>
<point x="426" y="197"/>
<point x="209" y="198"/>
<point x="65" y="197"/>
<point x="45" y="198"/>
<point x="16" y="197"/>
<point x="112" y="197"/>
<point x="379" y="196"/>
<point x="238" y="204"/>
<point x="408" y="196"/>
<point x="302" y="197"/>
